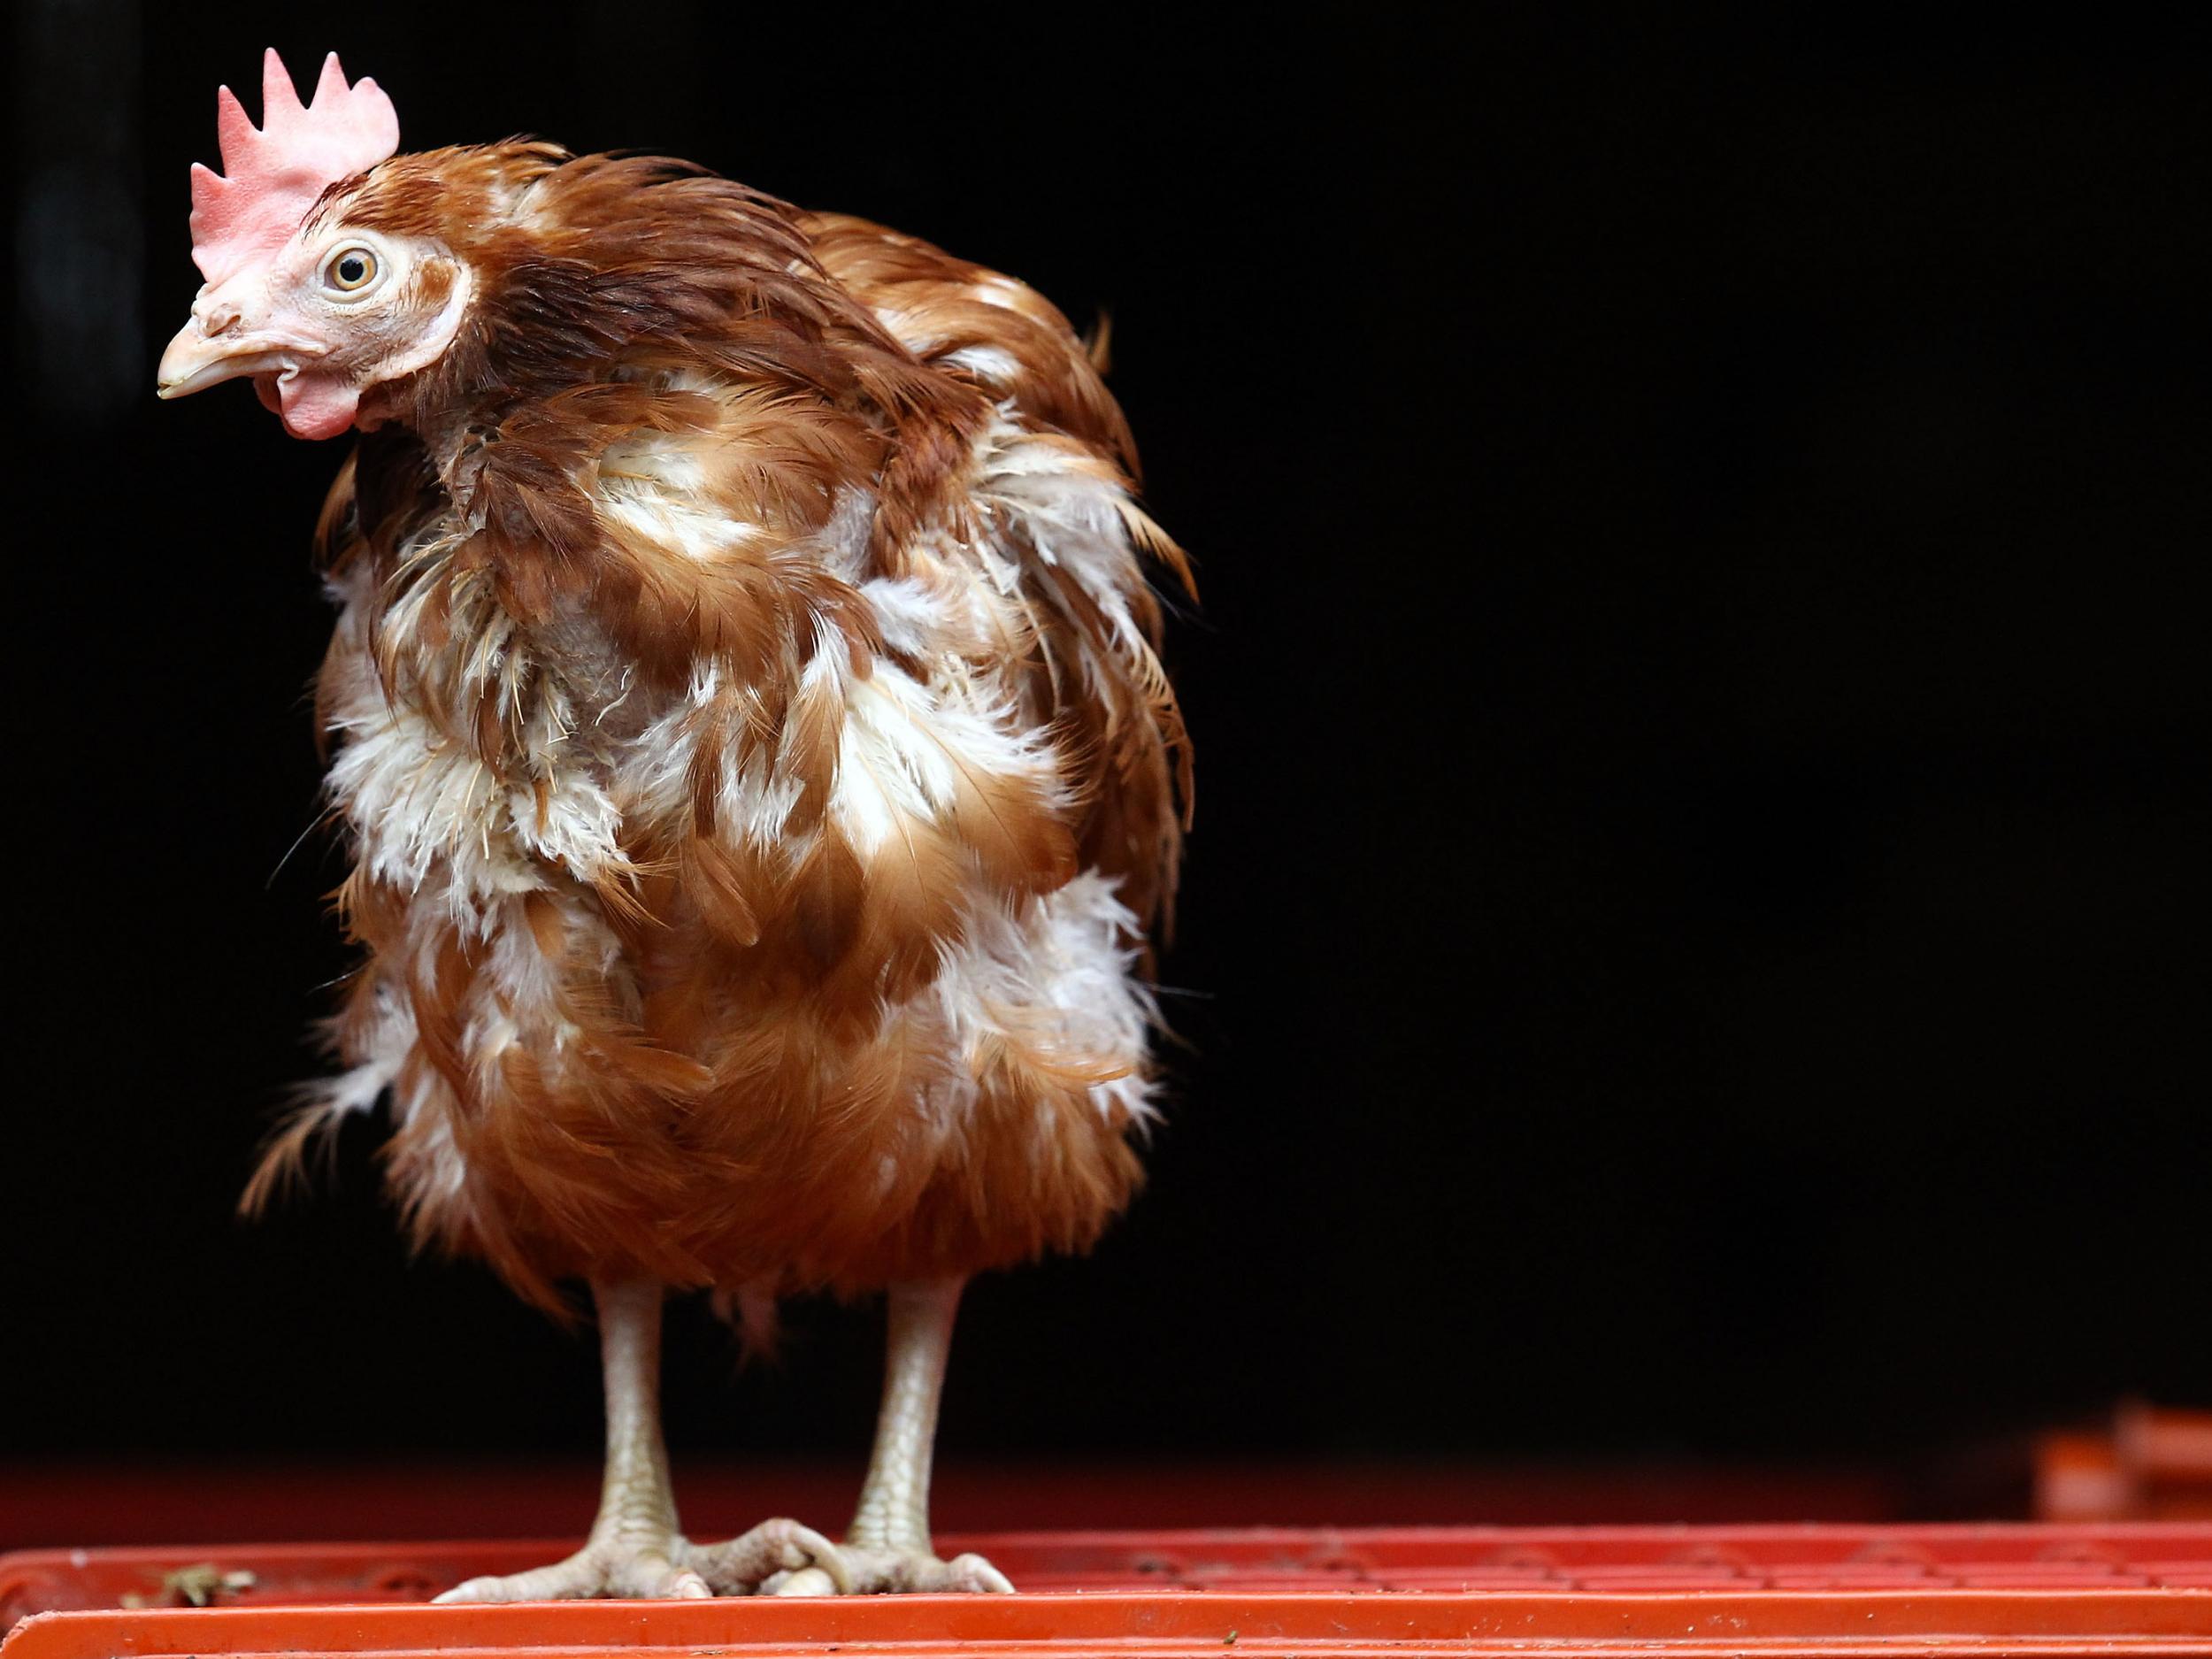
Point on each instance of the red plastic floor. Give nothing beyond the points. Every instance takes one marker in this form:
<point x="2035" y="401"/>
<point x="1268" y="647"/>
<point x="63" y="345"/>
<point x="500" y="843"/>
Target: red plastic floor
<point x="2126" y="1589"/>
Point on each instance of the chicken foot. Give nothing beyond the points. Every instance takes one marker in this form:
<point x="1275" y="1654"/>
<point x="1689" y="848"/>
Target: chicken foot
<point x="887" y="1546"/>
<point x="634" y="1549"/>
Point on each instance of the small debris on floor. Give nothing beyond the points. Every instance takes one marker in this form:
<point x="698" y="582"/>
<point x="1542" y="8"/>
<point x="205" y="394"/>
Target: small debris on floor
<point x="197" y="1585"/>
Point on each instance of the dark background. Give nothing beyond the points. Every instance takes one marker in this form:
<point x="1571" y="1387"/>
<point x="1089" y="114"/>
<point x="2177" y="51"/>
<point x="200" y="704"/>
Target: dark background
<point x="1695" y="932"/>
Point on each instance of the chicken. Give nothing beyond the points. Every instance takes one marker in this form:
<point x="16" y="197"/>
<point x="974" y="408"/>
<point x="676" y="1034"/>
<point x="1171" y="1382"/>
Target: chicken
<point x="746" y="724"/>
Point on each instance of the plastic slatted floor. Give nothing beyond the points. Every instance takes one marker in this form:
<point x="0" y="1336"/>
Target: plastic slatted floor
<point x="1683" y="1591"/>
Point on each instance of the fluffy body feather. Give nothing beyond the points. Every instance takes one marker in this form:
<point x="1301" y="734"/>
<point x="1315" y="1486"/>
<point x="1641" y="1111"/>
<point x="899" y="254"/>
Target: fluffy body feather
<point x="748" y="727"/>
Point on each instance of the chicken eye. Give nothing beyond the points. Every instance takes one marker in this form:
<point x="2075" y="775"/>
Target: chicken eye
<point x="350" y="270"/>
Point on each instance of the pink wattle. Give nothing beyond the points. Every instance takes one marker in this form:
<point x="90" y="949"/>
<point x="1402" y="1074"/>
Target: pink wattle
<point x="314" y="406"/>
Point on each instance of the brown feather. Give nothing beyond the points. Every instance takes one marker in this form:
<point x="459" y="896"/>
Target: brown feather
<point x="708" y="1055"/>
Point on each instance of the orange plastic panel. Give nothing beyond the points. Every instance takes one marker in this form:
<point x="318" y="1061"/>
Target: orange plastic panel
<point x="1683" y="1591"/>
<point x="2153" y="1464"/>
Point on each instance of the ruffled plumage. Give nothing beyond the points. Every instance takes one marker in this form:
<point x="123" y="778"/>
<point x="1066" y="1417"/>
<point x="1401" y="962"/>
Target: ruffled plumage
<point x="747" y="721"/>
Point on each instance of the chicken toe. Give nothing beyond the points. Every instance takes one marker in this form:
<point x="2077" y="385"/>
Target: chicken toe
<point x="632" y="1570"/>
<point x="772" y="1553"/>
<point x="862" y="1570"/>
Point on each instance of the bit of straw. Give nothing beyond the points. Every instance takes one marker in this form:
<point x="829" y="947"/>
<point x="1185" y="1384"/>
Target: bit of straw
<point x="273" y="174"/>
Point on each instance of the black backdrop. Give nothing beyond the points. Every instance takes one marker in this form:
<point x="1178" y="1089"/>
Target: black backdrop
<point x="1693" y="932"/>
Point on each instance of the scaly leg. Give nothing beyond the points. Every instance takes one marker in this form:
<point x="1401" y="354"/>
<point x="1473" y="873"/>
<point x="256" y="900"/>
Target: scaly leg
<point x="888" y="1547"/>
<point x="634" y="1548"/>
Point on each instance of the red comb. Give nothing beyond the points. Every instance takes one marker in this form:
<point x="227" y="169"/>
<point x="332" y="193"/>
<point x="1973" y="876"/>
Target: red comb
<point x="274" y="173"/>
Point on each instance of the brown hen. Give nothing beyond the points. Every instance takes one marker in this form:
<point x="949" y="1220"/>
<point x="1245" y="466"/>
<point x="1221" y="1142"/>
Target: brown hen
<point x="747" y="726"/>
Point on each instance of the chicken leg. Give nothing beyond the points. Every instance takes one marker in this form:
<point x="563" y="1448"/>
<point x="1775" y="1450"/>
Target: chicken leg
<point x="887" y="1546"/>
<point x="634" y="1548"/>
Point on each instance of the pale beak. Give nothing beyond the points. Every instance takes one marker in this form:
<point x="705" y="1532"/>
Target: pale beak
<point x="196" y="361"/>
